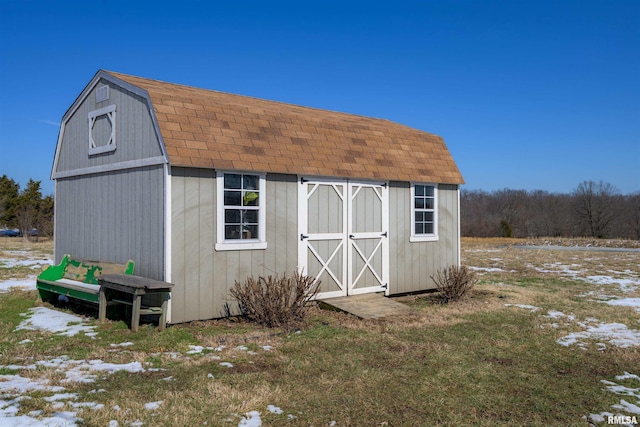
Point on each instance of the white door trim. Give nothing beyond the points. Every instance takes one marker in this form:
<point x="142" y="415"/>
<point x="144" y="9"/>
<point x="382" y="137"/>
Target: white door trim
<point x="347" y="191"/>
<point x="381" y="189"/>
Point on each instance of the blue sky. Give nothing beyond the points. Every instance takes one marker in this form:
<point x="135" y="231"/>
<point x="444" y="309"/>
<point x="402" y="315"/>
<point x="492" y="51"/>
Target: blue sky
<point x="527" y="94"/>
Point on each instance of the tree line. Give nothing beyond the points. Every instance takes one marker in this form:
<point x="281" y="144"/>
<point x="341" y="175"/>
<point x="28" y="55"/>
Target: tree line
<point x="592" y="209"/>
<point x="25" y="210"/>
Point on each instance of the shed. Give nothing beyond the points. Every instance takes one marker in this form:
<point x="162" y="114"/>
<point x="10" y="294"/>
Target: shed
<point x="202" y="188"/>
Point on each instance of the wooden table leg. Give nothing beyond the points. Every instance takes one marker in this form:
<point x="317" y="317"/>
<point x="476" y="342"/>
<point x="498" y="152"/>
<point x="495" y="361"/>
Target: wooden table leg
<point x="135" y="313"/>
<point x="102" y="307"/>
<point x="162" y="323"/>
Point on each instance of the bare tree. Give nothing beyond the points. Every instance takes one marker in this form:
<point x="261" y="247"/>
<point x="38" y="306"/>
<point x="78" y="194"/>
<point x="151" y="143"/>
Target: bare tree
<point x="592" y="206"/>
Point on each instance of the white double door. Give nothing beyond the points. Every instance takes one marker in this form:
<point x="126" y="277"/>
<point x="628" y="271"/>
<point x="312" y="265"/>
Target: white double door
<point x="344" y="238"/>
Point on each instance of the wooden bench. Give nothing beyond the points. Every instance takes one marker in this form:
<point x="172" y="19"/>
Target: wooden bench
<point x="128" y="290"/>
<point x="76" y="279"/>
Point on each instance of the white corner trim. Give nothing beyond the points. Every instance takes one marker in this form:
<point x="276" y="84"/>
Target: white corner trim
<point x="167" y="232"/>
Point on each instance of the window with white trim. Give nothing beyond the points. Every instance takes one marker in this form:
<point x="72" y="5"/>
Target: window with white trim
<point x="424" y="212"/>
<point x="241" y="212"/>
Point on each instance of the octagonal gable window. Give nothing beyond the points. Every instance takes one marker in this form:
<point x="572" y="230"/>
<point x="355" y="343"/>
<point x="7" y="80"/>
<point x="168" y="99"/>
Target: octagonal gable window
<point x="102" y="130"/>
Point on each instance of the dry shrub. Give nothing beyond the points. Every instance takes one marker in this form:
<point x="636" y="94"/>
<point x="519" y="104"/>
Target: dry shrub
<point x="454" y="282"/>
<point x="275" y="301"/>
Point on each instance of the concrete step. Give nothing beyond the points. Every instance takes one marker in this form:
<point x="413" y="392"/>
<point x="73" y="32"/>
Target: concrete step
<point x="366" y="306"/>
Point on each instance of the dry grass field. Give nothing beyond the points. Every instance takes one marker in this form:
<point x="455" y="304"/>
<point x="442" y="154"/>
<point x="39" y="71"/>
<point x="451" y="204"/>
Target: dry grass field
<point x="547" y="338"/>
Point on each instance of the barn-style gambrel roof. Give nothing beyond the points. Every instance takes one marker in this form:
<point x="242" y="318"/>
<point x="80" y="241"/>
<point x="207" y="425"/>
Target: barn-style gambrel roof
<point x="209" y="129"/>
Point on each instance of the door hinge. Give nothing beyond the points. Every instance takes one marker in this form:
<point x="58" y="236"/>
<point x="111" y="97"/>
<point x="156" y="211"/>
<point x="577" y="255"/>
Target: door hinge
<point x="385" y="286"/>
<point x="303" y="236"/>
<point x="384" y="234"/>
<point x="302" y="180"/>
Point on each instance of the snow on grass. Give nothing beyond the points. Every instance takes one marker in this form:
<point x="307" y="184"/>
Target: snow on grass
<point x="26" y="284"/>
<point x="626" y="285"/>
<point x="616" y="334"/>
<point x="151" y="406"/>
<point x="34" y="264"/>
<point x="626" y="302"/>
<point x="487" y="269"/>
<point x="55" y="321"/>
<point x="252" y="419"/>
<point x="274" y="409"/>
<point x="630" y="406"/>
<point x="524" y="306"/>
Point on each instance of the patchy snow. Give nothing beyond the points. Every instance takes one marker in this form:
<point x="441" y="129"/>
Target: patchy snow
<point x="252" y="419"/>
<point x="274" y="409"/>
<point x="626" y="285"/>
<point x="525" y="306"/>
<point x="486" y="269"/>
<point x="616" y="334"/>
<point x="25" y="284"/>
<point x="54" y="321"/>
<point x="153" y="405"/>
<point x="628" y="406"/>
<point x="226" y="364"/>
<point x="626" y="302"/>
<point x="122" y="344"/>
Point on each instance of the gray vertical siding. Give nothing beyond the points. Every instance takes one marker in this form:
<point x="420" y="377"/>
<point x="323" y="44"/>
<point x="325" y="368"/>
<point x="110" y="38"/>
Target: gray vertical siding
<point x="136" y="137"/>
<point x="113" y="216"/>
<point x="204" y="276"/>
<point x="411" y="264"/>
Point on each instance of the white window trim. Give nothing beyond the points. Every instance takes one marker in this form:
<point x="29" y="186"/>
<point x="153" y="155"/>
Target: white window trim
<point x="433" y="237"/>
<point x="236" y="245"/>
<point x="110" y="112"/>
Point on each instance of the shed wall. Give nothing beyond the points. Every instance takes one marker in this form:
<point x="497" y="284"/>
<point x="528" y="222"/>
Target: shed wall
<point x="113" y="216"/>
<point x="203" y="276"/>
<point x="136" y="138"/>
<point x="412" y="263"/>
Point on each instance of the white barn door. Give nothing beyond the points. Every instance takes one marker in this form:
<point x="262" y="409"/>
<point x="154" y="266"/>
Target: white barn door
<point x="344" y="235"/>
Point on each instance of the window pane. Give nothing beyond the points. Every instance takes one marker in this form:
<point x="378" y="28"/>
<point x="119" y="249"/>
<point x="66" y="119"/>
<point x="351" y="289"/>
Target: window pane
<point x="250" y="232"/>
<point x="250" y="216"/>
<point x="250" y="198"/>
<point x="419" y="228"/>
<point x="232" y="232"/>
<point x="250" y="182"/>
<point x="232" y="180"/>
<point x="419" y="216"/>
<point x="428" y="228"/>
<point x="419" y="203"/>
<point x="232" y="198"/>
<point x="419" y="190"/>
<point x="428" y="216"/>
<point x="429" y="189"/>
<point x="428" y="204"/>
<point x="232" y="216"/>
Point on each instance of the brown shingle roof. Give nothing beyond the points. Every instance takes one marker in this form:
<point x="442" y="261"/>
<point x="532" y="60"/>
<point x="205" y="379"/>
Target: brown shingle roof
<point x="209" y="129"/>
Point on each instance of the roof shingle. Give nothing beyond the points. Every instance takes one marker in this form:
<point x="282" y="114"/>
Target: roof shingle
<point x="210" y="129"/>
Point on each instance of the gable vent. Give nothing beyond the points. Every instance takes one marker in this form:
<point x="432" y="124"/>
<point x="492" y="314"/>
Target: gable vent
<point x="102" y="93"/>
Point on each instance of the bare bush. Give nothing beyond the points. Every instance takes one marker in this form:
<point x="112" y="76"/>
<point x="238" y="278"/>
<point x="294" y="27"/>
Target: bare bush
<point x="454" y="282"/>
<point x="275" y="301"/>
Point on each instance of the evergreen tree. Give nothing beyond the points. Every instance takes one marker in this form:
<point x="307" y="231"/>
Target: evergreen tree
<point x="9" y="195"/>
